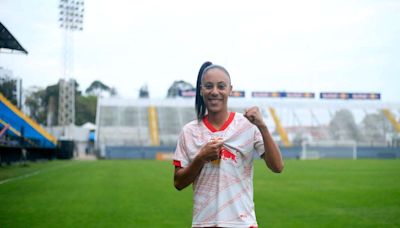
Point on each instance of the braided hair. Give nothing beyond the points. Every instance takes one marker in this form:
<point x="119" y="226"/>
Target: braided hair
<point x="199" y="102"/>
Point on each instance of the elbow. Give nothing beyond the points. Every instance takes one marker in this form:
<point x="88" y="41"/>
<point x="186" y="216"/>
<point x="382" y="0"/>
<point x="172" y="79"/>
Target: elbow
<point x="179" y="182"/>
<point x="178" y="186"/>
<point x="277" y="169"/>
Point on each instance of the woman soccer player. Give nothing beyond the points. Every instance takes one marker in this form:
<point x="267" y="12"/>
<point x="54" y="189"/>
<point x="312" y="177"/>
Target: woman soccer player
<point x="215" y="153"/>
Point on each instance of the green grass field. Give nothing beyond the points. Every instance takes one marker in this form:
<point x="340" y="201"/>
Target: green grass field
<point x="134" y="193"/>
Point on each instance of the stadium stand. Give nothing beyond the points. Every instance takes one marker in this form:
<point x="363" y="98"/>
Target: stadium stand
<point x="128" y="128"/>
<point x="18" y="132"/>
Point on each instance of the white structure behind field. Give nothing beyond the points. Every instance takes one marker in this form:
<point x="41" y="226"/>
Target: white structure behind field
<point x="150" y="122"/>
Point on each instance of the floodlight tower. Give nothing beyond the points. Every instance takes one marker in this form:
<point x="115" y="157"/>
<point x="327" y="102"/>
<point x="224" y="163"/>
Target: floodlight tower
<point x="71" y="20"/>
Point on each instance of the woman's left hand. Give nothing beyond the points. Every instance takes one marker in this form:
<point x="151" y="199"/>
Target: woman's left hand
<point x="254" y="115"/>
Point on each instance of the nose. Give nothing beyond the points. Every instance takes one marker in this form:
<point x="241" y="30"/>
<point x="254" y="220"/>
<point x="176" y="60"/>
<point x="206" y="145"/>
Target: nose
<point x="214" y="91"/>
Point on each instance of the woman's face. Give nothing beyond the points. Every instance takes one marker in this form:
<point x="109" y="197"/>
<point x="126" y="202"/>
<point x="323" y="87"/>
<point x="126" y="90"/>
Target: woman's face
<point x="215" y="89"/>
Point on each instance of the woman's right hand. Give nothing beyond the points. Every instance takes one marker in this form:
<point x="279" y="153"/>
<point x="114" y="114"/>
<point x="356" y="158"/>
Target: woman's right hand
<point x="211" y="150"/>
<point x="208" y="152"/>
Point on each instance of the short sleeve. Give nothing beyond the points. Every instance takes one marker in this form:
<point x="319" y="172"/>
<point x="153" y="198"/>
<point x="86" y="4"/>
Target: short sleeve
<point x="258" y="142"/>
<point x="181" y="158"/>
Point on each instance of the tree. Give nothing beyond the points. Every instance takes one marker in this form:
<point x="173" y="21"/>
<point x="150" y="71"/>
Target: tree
<point x="35" y="103"/>
<point x="7" y="88"/>
<point x="144" y="92"/>
<point x="374" y="127"/>
<point x="99" y="89"/>
<point x="43" y="102"/>
<point x="343" y="126"/>
<point x="113" y="92"/>
<point x="43" y="105"/>
<point x="85" y="109"/>
<point x="51" y="103"/>
<point x="177" y="86"/>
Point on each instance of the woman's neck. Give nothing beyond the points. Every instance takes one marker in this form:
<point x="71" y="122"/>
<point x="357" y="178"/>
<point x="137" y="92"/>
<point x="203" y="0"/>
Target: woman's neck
<point x="218" y="119"/>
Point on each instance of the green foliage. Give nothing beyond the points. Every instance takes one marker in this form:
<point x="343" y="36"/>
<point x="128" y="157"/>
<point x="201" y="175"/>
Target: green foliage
<point x="343" y="126"/>
<point x="51" y="91"/>
<point x="97" y="88"/>
<point x="85" y="109"/>
<point x="39" y="104"/>
<point x="36" y="104"/>
<point x="176" y="86"/>
<point x="140" y="193"/>
<point x="7" y="89"/>
<point x="374" y="127"/>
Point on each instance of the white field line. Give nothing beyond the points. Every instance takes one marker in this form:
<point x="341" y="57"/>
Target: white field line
<point x="34" y="173"/>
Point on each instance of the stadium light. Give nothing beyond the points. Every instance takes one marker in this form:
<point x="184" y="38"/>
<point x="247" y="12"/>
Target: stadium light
<point x="71" y="14"/>
<point x="71" y="19"/>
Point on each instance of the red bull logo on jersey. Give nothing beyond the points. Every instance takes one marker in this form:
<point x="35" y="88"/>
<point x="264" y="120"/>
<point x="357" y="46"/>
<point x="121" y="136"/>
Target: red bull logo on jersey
<point x="227" y="155"/>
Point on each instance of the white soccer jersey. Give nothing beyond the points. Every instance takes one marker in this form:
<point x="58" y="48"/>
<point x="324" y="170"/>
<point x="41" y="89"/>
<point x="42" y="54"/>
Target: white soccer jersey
<point x="223" y="191"/>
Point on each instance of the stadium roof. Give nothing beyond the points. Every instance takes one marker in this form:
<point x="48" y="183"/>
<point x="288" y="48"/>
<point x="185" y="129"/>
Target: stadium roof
<point x="8" y="41"/>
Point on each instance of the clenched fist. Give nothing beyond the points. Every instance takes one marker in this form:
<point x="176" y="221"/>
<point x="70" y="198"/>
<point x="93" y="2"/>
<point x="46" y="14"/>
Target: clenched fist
<point x="254" y="115"/>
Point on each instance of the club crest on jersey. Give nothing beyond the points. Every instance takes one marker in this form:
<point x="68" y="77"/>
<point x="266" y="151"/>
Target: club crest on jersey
<point x="225" y="154"/>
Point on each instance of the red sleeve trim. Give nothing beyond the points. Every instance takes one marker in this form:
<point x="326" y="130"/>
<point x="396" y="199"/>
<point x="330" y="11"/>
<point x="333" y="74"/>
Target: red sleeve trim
<point x="177" y="163"/>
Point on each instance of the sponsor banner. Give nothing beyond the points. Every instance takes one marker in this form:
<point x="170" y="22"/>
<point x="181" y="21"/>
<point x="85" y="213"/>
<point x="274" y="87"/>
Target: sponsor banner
<point x="283" y="94"/>
<point x="238" y="93"/>
<point x="300" y="95"/>
<point x="365" y="96"/>
<point x="350" y="96"/>
<point x="333" y="95"/>
<point x="265" y="94"/>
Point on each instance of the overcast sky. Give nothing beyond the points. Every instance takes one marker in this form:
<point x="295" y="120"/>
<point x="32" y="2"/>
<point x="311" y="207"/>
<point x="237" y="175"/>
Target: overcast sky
<point x="293" y="46"/>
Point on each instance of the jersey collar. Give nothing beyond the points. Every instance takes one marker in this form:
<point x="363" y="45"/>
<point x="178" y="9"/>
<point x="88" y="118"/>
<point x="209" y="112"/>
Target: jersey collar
<point x="223" y="127"/>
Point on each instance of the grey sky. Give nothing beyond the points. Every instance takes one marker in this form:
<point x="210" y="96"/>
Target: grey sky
<point x="299" y="46"/>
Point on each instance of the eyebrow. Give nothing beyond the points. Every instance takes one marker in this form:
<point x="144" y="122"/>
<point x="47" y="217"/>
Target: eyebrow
<point x="215" y="83"/>
<point x="208" y="82"/>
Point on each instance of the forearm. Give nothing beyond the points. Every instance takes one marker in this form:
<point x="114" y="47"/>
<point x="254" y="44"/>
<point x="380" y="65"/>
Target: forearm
<point x="272" y="155"/>
<point x="185" y="176"/>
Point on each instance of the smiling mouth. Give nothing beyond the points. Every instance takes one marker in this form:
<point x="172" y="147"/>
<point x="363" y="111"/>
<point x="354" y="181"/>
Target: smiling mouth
<point x="214" y="101"/>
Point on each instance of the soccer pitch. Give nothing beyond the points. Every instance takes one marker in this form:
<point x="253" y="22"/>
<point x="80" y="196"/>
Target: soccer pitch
<point x="140" y="193"/>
